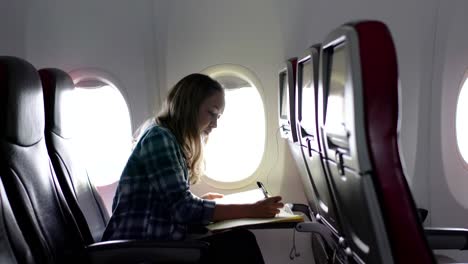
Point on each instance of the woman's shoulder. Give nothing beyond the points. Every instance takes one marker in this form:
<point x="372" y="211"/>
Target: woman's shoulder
<point x="158" y="132"/>
<point x="156" y="142"/>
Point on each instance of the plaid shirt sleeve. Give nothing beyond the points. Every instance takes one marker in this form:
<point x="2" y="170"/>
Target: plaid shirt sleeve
<point x="165" y="165"/>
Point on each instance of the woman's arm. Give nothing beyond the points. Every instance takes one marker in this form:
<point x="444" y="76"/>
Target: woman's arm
<point x="163" y="165"/>
<point x="212" y="196"/>
<point x="262" y="209"/>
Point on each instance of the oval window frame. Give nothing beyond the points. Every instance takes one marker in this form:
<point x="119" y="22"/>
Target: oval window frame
<point x="464" y="81"/>
<point x="249" y="76"/>
<point x="98" y="76"/>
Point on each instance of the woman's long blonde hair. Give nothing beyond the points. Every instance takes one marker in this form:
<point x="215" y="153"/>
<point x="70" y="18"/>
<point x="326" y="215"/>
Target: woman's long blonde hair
<point x="179" y="114"/>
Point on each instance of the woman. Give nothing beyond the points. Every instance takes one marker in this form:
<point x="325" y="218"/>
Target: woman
<point x="153" y="198"/>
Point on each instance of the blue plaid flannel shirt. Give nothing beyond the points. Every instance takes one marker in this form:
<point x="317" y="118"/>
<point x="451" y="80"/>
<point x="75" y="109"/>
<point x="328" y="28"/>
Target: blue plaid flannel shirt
<point x="153" y="199"/>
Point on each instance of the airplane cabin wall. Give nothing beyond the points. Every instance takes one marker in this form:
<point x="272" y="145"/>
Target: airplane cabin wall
<point x="116" y="36"/>
<point x="261" y="35"/>
<point x="148" y="45"/>
<point x="247" y="33"/>
<point x="12" y="27"/>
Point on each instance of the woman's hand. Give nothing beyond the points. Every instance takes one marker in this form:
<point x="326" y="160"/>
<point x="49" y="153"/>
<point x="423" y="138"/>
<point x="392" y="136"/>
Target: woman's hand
<point x="212" y="196"/>
<point x="267" y="208"/>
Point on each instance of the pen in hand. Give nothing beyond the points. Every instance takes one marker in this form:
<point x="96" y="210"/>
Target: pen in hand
<point x="261" y="186"/>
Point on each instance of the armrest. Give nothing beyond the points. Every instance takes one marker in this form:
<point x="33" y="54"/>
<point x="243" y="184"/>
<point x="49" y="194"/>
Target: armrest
<point x="146" y="251"/>
<point x="447" y="238"/>
<point x="305" y="209"/>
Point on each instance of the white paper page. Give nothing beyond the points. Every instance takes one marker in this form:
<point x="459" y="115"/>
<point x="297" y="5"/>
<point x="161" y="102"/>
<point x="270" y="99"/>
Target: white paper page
<point x="246" y="197"/>
<point x="251" y="196"/>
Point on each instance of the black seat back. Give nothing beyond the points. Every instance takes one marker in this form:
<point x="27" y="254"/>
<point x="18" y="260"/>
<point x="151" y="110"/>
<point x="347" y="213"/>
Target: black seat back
<point x="80" y="193"/>
<point x="30" y="183"/>
<point x="359" y="88"/>
<point x="309" y="138"/>
<point x="286" y="102"/>
<point x="13" y="247"/>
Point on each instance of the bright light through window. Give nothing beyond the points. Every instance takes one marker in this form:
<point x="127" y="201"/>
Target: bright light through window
<point x="461" y="121"/>
<point x="235" y="148"/>
<point x="103" y="132"/>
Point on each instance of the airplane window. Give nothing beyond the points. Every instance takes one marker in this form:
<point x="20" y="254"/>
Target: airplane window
<point x="103" y="131"/>
<point x="235" y="148"/>
<point x="461" y="124"/>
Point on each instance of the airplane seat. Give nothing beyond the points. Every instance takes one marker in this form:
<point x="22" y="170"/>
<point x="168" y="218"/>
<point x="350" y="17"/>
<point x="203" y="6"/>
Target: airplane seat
<point x="35" y="195"/>
<point x="359" y="89"/>
<point x="359" y="85"/>
<point x="81" y="195"/>
<point x="309" y="137"/>
<point x="289" y="112"/>
<point x="26" y="171"/>
<point x="13" y="246"/>
<point x="315" y="181"/>
<point x="287" y="122"/>
<point x="380" y="130"/>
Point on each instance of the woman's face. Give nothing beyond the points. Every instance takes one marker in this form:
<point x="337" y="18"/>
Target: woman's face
<point x="210" y="110"/>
